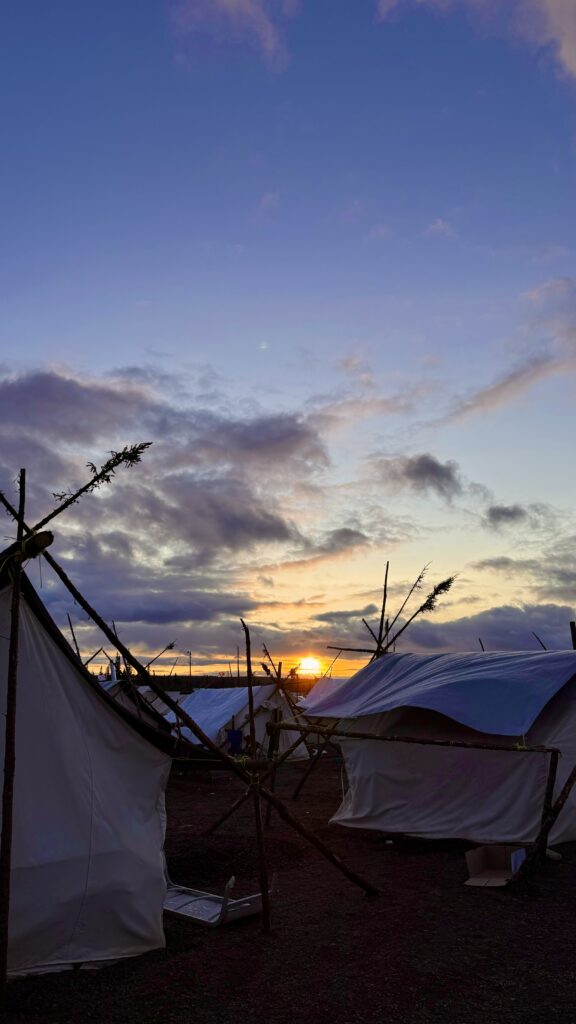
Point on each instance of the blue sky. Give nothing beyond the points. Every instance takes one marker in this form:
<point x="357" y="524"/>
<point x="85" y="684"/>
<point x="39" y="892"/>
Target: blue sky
<point x="324" y="242"/>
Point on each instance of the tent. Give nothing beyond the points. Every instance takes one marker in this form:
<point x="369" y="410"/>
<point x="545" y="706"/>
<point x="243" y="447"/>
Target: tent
<point x="87" y="881"/>
<point x="517" y="700"/>
<point x="218" y="710"/>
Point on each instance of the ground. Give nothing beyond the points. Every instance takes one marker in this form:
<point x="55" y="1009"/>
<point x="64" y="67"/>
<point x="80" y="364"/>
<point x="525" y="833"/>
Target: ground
<point x="429" y="949"/>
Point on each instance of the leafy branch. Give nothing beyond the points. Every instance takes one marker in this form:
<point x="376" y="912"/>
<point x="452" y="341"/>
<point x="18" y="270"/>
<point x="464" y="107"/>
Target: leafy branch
<point x="128" y="457"/>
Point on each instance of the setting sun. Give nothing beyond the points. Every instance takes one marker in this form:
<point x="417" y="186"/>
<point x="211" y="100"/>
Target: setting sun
<point x="310" y="667"/>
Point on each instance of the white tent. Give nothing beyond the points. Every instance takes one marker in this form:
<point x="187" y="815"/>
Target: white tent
<point x="524" y="699"/>
<point x="218" y="710"/>
<point x="87" y="880"/>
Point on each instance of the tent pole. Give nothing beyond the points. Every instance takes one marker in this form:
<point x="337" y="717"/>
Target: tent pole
<point x="314" y="761"/>
<point x="10" y="748"/>
<point x="255" y="790"/>
<point x="243" y="798"/>
<point x="542" y="838"/>
<point x="273" y="744"/>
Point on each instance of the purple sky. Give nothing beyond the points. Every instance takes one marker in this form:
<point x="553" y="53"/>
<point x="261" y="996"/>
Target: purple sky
<point x="322" y="255"/>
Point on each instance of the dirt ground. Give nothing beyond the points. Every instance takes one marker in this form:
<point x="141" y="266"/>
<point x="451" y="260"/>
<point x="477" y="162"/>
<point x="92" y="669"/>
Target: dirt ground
<point x="429" y="949"/>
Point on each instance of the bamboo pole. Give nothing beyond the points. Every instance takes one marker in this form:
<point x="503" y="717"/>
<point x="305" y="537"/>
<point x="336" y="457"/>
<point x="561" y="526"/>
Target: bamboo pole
<point x="10" y="747"/>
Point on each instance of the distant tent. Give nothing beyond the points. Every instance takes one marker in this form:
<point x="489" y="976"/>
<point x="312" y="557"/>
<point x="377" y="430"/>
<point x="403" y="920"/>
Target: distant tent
<point x="87" y="858"/>
<point x="440" y="792"/>
<point x="217" y="711"/>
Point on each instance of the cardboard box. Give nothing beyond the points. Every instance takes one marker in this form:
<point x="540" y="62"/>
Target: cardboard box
<point x="494" y="865"/>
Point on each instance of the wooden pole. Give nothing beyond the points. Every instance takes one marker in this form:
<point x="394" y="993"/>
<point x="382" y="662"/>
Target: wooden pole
<point x="242" y="799"/>
<point x="255" y="790"/>
<point x="383" y="612"/>
<point x="73" y="636"/>
<point x="10" y="747"/>
<point x="542" y="644"/>
<point x="573" y="634"/>
<point x="549" y="817"/>
<point x="542" y="838"/>
<point x="357" y="735"/>
<point x="273" y="744"/>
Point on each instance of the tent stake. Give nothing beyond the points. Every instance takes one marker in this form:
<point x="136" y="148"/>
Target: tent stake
<point x="10" y="748"/>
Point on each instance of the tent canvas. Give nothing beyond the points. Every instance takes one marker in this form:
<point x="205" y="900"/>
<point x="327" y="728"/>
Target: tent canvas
<point x="442" y="792"/>
<point x="216" y="709"/>
<point x="87" y="881"/>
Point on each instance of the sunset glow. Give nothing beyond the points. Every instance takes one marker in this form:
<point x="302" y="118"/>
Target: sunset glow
<point x="310" y="667"/>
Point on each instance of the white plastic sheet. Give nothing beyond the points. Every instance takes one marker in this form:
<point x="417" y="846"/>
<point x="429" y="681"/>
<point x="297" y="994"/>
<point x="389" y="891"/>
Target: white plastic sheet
<point x="433" y="792"/>
<point x="88" y="875"/>
<point x="492" y="693"/>
<point x="214" y="710"/>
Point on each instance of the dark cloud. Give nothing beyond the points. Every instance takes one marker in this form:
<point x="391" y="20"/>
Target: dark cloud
<point x="62" y="408"/>
<point x="506" y="628"/>
<point x="421" y="473"/>
<point x="336" y="542"/>
<point x="552" y="576"/>
<point x="505" y="515"/>
<point x="347" y="617"/>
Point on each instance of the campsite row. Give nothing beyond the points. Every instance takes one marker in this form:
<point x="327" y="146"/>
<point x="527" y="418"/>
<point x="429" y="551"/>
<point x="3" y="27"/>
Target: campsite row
<point x="474" y="746"/>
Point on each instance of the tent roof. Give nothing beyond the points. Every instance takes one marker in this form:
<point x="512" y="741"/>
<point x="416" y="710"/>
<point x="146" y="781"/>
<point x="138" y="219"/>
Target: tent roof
<point x="160" y="738"/>
<point x="213" y="708"/>
<point x="500" y="693"/>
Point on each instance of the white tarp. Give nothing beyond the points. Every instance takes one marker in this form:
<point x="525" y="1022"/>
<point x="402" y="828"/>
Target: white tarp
<point x="215" y="711"/>
<point x="492" y="693"/>
<point x="88" y="873"/>
<point x="440" y="792"/>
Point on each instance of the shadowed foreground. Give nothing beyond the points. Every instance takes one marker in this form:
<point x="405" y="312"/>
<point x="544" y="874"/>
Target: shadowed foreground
<point x="429" y="949"/>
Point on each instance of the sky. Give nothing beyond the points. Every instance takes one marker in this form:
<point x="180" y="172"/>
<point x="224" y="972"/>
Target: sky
<point x="322" y="255"/>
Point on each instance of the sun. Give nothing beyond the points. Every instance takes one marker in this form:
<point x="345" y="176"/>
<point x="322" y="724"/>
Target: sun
<point x="310" y="667"/>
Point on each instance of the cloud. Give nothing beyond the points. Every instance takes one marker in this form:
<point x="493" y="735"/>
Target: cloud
<point x="554" y="305"/>
<point x="421" y="473"/>
<point x="337" y="542"/>
<point x="508" y="386"/>
<point x="559" y="290"/>
<point x="546" y="23"/>
<point x="505" y="515"/>
<point x="346" y="617"/>
<point x="503" y="628"/>
<point x="550" y="576"/>
<point x="267" y="205"/>
<point x="259" y="22"/>
<point x="440" y="229"/>
<point x="379" y="232"/>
